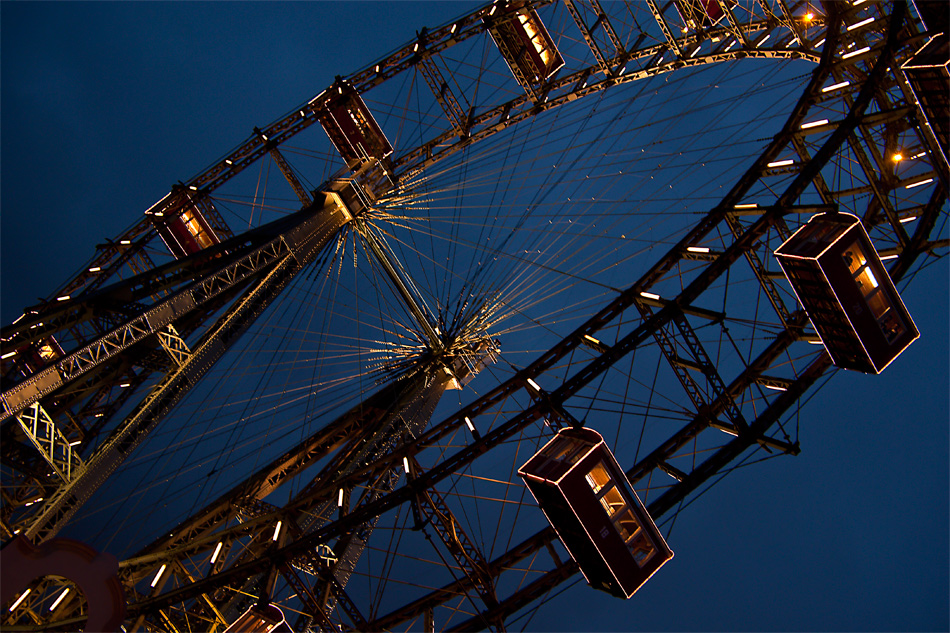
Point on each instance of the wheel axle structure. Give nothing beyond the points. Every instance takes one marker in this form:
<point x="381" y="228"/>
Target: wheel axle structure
<point x="539" y="215"/>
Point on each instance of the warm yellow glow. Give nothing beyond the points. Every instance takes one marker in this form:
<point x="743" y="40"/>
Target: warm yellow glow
<point x="598" y="477"/>
<point x="537" y="40"/>
<point x="898" y="157"/>
<point x="47" y="352"/>
<point x="809" y="16"/>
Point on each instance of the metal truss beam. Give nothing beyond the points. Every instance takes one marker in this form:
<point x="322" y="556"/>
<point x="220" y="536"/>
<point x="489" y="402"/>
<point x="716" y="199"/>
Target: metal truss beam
<point x="443" y="93"/>
<point x="468" y="557"/>
<point x="587" y="32"/>
<point x="49" y="441"/>
<point x="287" y="257"/>
<point x="288" y="172"/>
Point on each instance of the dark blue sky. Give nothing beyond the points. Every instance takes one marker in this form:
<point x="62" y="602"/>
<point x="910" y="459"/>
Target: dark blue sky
<point x="105" y="105"/>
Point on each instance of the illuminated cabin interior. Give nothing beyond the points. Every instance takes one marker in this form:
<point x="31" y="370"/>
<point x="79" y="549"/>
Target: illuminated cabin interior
<point x="928" y="73"/>
<point x="846" y="291"/>
<point x="525" y="44"/>
<point x="352" y="128"/>
<point x="588" y="501"/>
<point x="32" y="357"/>
<point x="699" y="13"/>
<point x="260" y="619"/>
<point x="186" y="231"/>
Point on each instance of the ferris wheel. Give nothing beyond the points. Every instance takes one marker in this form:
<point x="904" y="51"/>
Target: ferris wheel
<point x="307" y="377"/>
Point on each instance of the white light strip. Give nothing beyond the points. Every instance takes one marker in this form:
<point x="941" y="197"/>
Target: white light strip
<point x="908" y="219"/>
<point x="405" y="464"/>
<point x="753" y="205"/>
<point x="727" y="431"/>
<point x="698" y="249"/>
<point x="591" y="339"/>
<point x="858" y="25"/>
<point x="55" y="604"/>
<point x="8" y="355"/>
<point x="63" y="298"/>
<point x="775" y="388"/>
<point x="884" y="258"/>
<point x="843" y="84"/>
<point x="75" y="443"/>
<point x="781" y="163"/>
<point x="20" y="599"/>
<point x="920" y="155"/>
<point x="161" y="570"/>
<point x="471" y="427"/>
<point x="819" y="43"/>
<point x="217" y="550"/>
<point x="339" y="502"/>
<point x="276" y="531"/>
<point x="806" y="126"/>
<point x="534" y="385"/>
<point x="860" y="51"/>
<point x="649" y="295"/>
<point x="125" y="242"/>
<point x="762" y="41"/>
<point x="96" y="269"/>
<point x="917" y="184"/>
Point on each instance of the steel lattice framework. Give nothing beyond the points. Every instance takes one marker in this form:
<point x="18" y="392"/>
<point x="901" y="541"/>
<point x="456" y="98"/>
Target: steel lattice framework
<point x="156" y="329"/>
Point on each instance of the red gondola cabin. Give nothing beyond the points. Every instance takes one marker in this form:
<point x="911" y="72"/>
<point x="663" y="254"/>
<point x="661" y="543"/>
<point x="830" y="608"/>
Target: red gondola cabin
<point x="846" y="291"/>
<point x="696" y="13"/>
<point x="351" y="127"/>
<point x="32" y="357"/>
<point x="596" y="513"/>
<point x="185" y="230"/>
<point x="525" y="44"/>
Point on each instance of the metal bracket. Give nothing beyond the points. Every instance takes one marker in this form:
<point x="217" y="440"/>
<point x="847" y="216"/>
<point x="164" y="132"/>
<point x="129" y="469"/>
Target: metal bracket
<point x="49" y="440"/>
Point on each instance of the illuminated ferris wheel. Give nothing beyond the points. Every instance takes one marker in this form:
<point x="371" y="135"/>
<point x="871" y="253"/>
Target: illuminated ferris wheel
<point x="567" y="257"/>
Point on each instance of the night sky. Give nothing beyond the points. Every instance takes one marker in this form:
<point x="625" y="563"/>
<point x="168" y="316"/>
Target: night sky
<point x="105" y="105"/>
